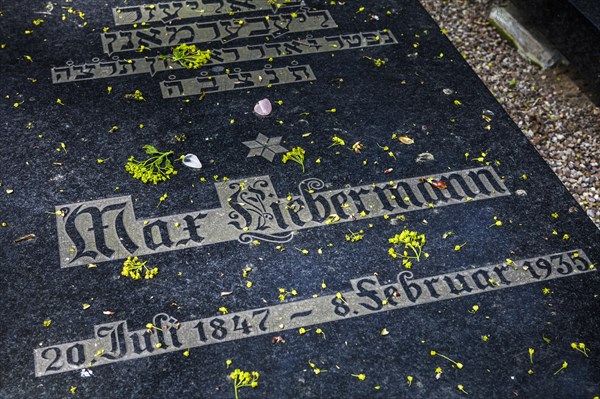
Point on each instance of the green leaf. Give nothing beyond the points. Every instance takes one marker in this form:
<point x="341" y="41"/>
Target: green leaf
<point x="547" y="340"/>
<point x="150" y="150"/>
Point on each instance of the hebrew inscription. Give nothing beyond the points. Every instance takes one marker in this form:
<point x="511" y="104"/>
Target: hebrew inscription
<point x="177" y="10"/>
<point x="222" y="30"/>
<point x="263" y="51"/>
<point x="154" y="28"/>
<point x="236" y="81"/>
<point x="107" y="229"/>
<point x="114" y="342"/>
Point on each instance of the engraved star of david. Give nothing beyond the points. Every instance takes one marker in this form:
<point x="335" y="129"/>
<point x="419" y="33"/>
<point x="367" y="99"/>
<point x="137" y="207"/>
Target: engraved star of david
<point x="264" y="147"/>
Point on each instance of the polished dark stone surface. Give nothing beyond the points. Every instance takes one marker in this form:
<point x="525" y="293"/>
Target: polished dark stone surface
<point x="50" y="150"/>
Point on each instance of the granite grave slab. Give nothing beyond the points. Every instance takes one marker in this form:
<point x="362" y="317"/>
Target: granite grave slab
<point x="378" y="228"/>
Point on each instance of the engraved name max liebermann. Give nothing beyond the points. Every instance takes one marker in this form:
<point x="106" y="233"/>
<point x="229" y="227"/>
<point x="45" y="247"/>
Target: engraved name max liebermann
<point x="106" y="229"/>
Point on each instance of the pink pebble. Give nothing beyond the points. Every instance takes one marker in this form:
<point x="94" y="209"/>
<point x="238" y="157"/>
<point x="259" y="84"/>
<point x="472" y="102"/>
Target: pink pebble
<point x="263" y="107"/>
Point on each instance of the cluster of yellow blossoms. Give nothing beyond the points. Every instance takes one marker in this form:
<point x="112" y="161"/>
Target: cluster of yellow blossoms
<point x="412" y="241"/>
<point x="155" y="169"/>
<point x="296" y="155"/>
<point x="243" y="379"/>
<point x="132" y="267"/>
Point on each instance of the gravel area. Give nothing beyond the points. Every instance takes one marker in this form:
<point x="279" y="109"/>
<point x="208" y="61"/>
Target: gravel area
<point x="560" y="120"/>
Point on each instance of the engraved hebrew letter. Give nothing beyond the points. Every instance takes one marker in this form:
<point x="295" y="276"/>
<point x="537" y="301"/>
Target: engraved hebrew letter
<point x="257" y="47"/>
<point x="150" y="38"/>
<point x="207" y="85"/>
<point x="109" y="68"/>
<point x="108" y="39"/>
<point x="371" y="38"/>
<point x="181" y="34"/>
<point x="336" y="40"/>
<point x="171" y="89"/>
<point x="352" y="40"/>
<point x="127" y="15"/>
<point x="313" y="43"/>
<point x="121" y="41"/>
<point x="242" y="80"/>
<point x="84" y="71"/>
<point x="325" y="17"/>
<point x="277" y="47"/>
<point x="126" y="68"/>
<point x="301" y="72"/>
<point x="215" y="57"/>
<point x="387" y="37"/>
<point x="219" y="2"/>
<point x="232" y="29"/>
<point x="258" y="27"/>
<point x="169" y="16"/>
<point x="273" y="78"/>
<point x="61" y="74"/>
<point x="283" y="25"/>
<point x="237" y="5"/>
<point x="292" y="47"/>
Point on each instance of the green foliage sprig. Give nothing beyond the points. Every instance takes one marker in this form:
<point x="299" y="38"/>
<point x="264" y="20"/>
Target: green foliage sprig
<point x="188" y="56"/>
<point x="296" y="155"/>
<point x="155" y="169"/>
